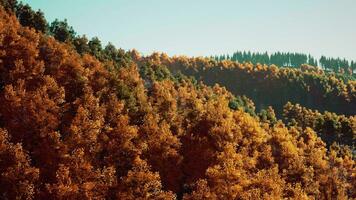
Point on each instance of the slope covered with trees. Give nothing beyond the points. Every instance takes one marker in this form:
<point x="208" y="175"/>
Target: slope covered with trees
<point x="271" y="85"/>
<point x="329" y="126"/>
<point x="103" y="123"/>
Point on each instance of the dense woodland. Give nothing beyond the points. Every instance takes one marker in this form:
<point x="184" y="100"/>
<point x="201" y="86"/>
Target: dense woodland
<point x="271" y="85"/>
<point x="82" y="121"/>
<point x="295" y="60"/>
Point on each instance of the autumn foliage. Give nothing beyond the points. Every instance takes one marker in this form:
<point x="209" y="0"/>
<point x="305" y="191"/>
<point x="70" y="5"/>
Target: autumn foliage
<point x="269" y="85"/>
<point x="74" y="127"/>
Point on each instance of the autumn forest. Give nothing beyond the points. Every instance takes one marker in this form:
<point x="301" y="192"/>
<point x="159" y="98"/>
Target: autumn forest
<point x="79" y="120"/>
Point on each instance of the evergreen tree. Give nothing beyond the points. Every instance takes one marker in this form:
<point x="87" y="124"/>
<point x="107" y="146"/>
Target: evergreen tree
<point x="9" y="5"/>
<point x="96" y="47"/>
<point x="28" y="17"/>
<point x="81" y="44"/>
<point x="62" y="31"/>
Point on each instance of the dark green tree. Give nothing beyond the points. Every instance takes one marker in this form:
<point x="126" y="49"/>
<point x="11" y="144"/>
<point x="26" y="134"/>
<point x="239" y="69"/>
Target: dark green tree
<point x="81" y="44"/>
<point x="96" y="47"/>
<point x="9" y="5"/>
<point x="110" y="52"/>
<point x="28" y="17"/>
<point x="62" y="31"/>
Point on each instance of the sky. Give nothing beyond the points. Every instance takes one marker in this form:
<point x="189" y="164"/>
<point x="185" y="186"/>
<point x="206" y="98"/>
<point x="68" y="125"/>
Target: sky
<point x="207" y="27"/>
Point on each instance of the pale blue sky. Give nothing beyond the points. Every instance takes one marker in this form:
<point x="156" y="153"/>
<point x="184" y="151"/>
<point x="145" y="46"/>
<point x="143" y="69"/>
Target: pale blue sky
<point x="207" y="27"/>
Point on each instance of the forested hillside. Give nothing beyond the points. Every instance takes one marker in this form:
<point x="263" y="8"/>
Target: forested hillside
<point x="79" y="121"/>
<point x="271" y="85"/>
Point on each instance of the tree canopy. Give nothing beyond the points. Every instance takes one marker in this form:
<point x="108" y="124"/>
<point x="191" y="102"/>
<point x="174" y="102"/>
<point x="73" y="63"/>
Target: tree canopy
<point x="82" y="121"/>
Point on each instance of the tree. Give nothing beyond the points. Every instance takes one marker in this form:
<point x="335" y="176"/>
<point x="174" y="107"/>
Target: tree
<point x="18" y="179"/>
<point x="140" y="183"/>
<point x="353" y="67"/>
<point x="62" y="31"/>
<point x="30" y="18"/>
<point x="81" y="44"/>
<point x="96" y="47"/>
<point x="9" y="5"/>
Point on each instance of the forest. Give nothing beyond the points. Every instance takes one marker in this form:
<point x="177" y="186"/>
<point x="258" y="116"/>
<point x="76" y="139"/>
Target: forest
<point x="79" y="120"/>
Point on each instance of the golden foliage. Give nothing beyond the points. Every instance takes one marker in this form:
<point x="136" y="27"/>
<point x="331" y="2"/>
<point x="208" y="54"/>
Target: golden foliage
<point x="76" y="128"/>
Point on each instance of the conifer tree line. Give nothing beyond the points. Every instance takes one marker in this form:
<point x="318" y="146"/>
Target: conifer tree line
<point x="92" y="122"/>
<point x="336" y="65"/>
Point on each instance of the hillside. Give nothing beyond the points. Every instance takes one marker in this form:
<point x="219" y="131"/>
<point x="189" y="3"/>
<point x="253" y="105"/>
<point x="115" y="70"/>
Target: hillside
<point x="271" y="85"/>
<point x="78" y="121"/>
